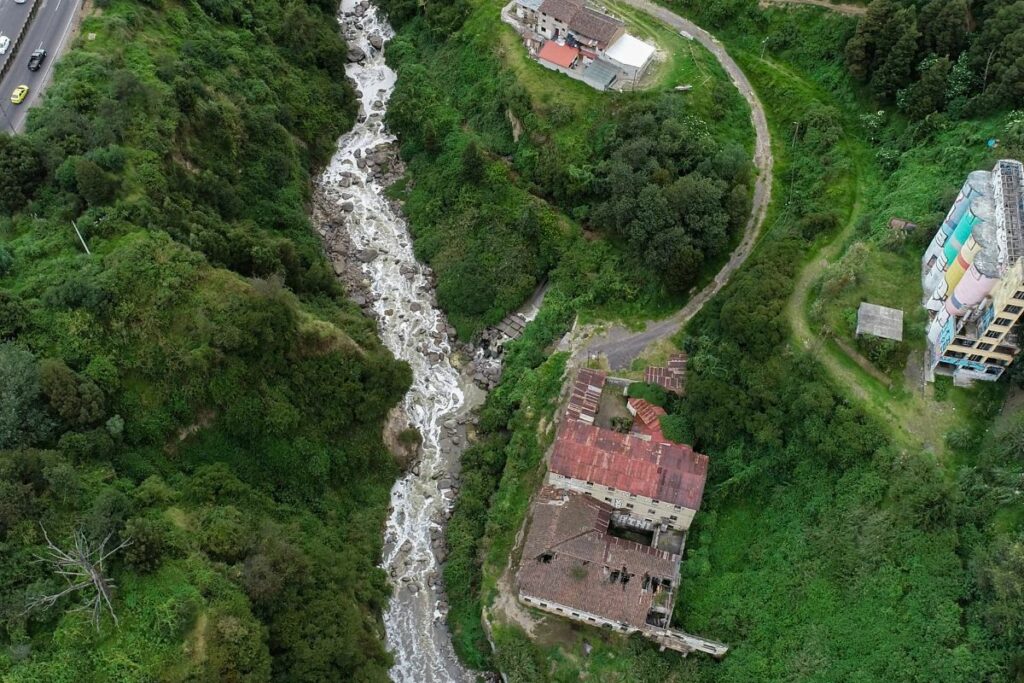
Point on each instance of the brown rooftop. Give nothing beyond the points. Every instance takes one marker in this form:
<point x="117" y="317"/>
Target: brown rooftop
<point x="663" y="471"/>
<point x="561" y="10"/>
<point x="569" y="558"/>
<point x="589" y="23"/>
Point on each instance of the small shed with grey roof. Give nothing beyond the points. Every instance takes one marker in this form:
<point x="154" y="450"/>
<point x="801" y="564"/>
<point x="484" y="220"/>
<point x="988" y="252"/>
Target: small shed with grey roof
<point x="600" y="75"/>
<point x="880" y="321"/>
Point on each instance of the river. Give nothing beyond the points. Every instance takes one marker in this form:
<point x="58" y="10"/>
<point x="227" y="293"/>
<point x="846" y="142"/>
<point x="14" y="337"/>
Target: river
<point x="413" y="328"/>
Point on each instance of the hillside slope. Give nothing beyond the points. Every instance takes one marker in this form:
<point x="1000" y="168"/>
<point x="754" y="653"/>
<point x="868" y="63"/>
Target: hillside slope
<point x="198" y="384"/>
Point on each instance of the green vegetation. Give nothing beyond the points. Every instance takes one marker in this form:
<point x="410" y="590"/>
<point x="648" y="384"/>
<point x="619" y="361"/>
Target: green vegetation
<point x="829" y="548"/>
<point x="506" y="158"/>
<point x="198" y="384"/>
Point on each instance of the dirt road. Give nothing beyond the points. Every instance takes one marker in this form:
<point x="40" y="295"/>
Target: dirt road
<point x="621" y="345"/>
<point x="848" y="10"/>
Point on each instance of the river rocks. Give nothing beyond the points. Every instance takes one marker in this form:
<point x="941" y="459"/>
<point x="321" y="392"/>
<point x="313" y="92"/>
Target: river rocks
<point x="366" y="255"/>
<point x="355" y="54"/>
<point x="377" y="41"/>
<point x="348" y="207"/>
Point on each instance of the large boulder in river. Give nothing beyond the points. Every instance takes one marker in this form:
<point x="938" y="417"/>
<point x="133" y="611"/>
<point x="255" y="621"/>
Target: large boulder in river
<point x="356" y="54"/>
<point x="376" y="41"/>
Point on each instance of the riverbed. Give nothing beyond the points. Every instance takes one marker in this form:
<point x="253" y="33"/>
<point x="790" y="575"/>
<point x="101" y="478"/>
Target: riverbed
<point x="400" y="291"/>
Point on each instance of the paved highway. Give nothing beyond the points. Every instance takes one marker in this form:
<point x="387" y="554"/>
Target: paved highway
<point x="49" y="30"/>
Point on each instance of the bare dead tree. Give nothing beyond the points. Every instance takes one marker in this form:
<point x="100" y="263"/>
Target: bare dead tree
<point x="82" y="568"/>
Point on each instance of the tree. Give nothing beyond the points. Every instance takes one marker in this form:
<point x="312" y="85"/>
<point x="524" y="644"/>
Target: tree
<point x="81" y="567"/>
<point x="897" y="69"/>
<point x="21" y="419"/>
<point x="95" y="185"/>
<point x="928" y="93"/>
<point x="21" y="171"/>
<point x="474" y="163"/>
<point x="77" y="400"/>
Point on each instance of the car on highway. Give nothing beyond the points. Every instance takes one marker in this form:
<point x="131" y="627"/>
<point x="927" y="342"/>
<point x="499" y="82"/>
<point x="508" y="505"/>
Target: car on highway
<point x="5" y="43"/>
<point x="36" y="60"/>
<point x="19" y="94"/>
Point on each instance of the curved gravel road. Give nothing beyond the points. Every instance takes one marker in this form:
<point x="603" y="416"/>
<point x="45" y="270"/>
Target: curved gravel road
<point x="621" y="345"/>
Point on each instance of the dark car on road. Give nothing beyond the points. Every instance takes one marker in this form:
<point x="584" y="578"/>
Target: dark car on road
<point x="36" y="60"/>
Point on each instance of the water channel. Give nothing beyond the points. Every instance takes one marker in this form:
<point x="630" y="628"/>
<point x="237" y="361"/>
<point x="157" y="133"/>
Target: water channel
<point x="413" y="328"/>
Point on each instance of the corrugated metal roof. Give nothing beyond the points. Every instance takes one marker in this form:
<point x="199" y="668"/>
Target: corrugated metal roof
<point x="668" y="472"/>
<point x="569" y="556"/>
<point x="600" y="74"/>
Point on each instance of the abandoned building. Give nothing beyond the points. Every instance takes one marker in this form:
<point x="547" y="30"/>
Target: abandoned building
<point x="575" y="566"/>
<point x="606" y="532"/>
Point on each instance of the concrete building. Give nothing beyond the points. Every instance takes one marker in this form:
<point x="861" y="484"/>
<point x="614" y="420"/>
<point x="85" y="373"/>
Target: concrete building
<point x="973" y="277"/>
<point x="631" y="55"/>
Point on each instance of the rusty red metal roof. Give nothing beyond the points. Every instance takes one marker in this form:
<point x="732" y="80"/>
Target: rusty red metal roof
<point x="585" y="399"/>
<point x="569" y="558"/>
<point x="663" y="471"/>
<point x="672" y="377"/>
<point x="645" y="411"/>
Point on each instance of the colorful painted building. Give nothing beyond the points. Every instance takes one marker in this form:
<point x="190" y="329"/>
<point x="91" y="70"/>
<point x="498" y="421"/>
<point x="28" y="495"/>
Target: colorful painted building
<point x="973" y="277"/>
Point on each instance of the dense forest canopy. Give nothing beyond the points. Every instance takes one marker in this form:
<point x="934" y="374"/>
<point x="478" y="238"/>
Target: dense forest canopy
<point x="199" y="384"/>
<point x="941" y="55"/>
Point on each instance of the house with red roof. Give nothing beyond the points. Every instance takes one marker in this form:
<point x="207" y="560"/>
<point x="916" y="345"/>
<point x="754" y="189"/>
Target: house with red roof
<point x="558" y="56"/>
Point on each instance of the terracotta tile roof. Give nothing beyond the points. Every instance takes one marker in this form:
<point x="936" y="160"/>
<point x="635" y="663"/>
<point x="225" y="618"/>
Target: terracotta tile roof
<point x="589" y="23"/>
<point x="585" y="399"/>
<point x="673" y="377"/>
<point x="570" y="531"/>
<point x="561" y="10"/>
<point x="561" y="55"/>
<point x="668" y="472"/>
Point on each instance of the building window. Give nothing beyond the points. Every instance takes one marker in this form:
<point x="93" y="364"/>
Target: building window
<point x="974" y="357"/>
<point x="607" y="499"/>
<point x="992" y="334"/>
<point x="629" y="505"/>
<point x="673" y="517"/>
<point x="1012" y="310"/>
<point x="1003" y="321"/>
<point x="590" y="483"/>
<point x="960" y="341"/>
<point x="1019" y="295"/>
<point x="651" y="512"/>
<point x="984" y="347"/>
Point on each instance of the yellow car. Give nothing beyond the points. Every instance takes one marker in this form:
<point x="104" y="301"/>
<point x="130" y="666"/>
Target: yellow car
<point x="19" y="94"/>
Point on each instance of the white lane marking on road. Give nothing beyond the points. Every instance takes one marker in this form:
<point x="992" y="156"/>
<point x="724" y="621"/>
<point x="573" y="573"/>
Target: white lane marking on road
<point x="58" y="6"/>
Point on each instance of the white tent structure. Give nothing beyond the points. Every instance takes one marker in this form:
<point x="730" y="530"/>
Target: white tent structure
<point x="630" y="54"/>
